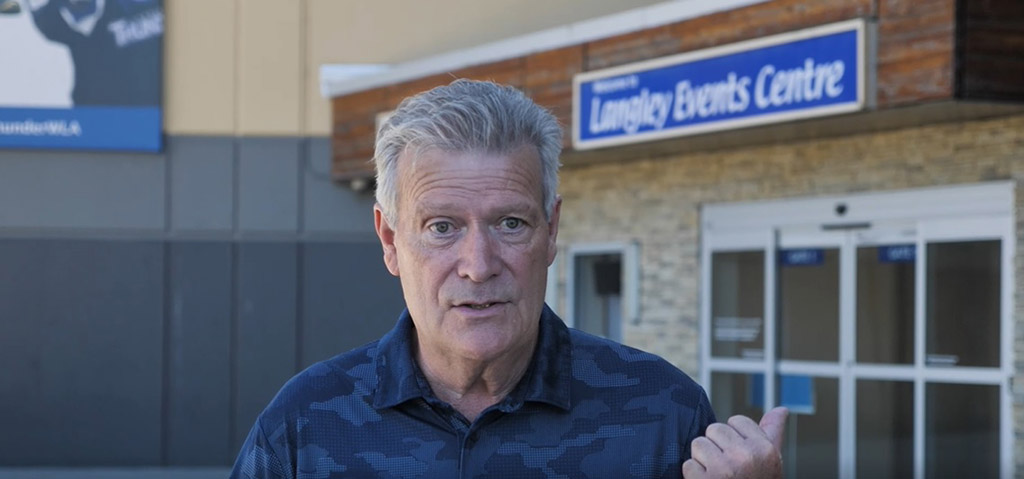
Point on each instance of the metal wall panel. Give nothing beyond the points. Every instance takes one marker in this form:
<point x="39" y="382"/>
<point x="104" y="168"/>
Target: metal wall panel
<point x="330" y="207"/>
<point x="81" y="190"/>
<point x="268" y="182"/>
<point x="80" y="338"/>
<point x="145" y="324"/>
<point x="197" y="425"/>
<point x="349" y="298"/>
<point x="202" y="183"/>
<point x="265" y="332"/>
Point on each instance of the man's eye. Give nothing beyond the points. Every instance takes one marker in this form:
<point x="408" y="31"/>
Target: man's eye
<point x="441" y="227"/>
<point x="512" y="223"/>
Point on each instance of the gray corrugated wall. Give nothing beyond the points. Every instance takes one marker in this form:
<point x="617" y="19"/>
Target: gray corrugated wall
<point x="151" y="305"/>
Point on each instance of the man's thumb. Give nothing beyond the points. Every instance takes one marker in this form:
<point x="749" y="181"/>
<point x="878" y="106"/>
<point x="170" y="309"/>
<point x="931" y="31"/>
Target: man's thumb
<point x="773" y="423"/>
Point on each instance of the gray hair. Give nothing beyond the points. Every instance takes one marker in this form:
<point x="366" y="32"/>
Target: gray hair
<point x="466" y="116"/>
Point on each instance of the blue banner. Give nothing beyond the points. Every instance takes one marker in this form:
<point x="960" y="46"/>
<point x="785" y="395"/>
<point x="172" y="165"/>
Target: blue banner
<point x="81" y="74"/>
<point x="790" y="76"/>
<point x="109" y="128"/>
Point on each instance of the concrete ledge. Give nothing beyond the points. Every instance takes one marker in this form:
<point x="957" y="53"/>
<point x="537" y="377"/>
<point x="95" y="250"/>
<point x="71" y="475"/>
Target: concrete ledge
<point x="115" y="473"/>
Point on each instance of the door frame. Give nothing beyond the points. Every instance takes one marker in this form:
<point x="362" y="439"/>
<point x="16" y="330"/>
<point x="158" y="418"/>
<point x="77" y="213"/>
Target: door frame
<point x="945" y="213"/>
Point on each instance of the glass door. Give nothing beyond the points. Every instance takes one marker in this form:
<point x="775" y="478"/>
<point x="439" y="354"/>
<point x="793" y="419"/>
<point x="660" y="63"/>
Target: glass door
<point x="882" y="343"/>
<point x="888" y="341"/>
<point x="810" y="307"/>
<point x="963" y="425"/>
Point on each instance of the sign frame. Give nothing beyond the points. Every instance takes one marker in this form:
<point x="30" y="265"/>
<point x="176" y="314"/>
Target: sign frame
<point x="859" y="25"/>
<point x="88" y="78"/>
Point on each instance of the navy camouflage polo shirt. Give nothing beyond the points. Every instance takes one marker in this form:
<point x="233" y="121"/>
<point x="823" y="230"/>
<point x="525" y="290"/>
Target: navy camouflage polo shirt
<point x="586" y="407"/>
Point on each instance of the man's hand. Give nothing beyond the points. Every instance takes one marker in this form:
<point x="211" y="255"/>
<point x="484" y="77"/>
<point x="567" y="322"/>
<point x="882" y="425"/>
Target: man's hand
<point x="739" y="449"/>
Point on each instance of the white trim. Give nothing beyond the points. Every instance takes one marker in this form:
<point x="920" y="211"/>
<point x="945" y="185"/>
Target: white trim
<point x="995" y="198"/>
<point x="920" y="292"/>
<point x="771" y="354"/>
<point x="736" y="242"/>
<point x="963" y="375"/>
<point x="825" y="369"/>
<point x="566" y="35"/>
<point x="977" y="228"/>
<point x="856" y="25"/>
<point x="884" y="372"/>
<point x="1008" y="331"/>
<point x="817" y="239"/>
<point x="705" y="364"/>
<point x="736" y="365"/>
<point x="847" y="356"/>
<point x="339" y="72"/>
<point x="630" y="281"/>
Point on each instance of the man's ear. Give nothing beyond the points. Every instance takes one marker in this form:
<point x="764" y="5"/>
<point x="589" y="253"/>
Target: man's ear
<point x="553" y="229"/>
<point x="387" y="239"/>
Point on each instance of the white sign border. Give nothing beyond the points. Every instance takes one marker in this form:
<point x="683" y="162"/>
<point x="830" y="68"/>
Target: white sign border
<point x="858" y="25"/>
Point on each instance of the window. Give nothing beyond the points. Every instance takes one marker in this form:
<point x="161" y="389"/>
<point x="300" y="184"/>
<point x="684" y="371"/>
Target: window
<point x="602" y="288"/>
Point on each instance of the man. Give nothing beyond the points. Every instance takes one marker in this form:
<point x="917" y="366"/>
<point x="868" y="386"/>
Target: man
<point x="479" y="378"/>
<point x="115" y="46"/>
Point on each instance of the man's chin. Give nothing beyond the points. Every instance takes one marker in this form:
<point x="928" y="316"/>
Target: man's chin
<point x="483" y="344"/>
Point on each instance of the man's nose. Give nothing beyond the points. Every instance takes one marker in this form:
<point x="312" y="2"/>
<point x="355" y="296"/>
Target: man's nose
<point x="479" y="257"/>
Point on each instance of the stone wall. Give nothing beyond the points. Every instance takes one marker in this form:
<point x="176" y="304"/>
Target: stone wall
<point x="655" y="202"/>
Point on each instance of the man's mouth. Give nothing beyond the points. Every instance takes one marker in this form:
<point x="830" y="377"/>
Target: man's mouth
<point x="479" y="306"/>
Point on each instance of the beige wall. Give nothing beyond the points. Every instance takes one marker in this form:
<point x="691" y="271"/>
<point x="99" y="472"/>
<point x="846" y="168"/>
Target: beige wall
<point x="251" y="67"/>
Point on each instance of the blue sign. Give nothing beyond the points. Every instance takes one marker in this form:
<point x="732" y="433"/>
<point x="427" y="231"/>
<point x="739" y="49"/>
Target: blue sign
<point x="795" y="393"/>
<point x="81" y="74"/>
<point x="796" y="75"/>
<point x="802" y="257"/>
<point x="103" y="128"/>
<point x="904" y="253"/>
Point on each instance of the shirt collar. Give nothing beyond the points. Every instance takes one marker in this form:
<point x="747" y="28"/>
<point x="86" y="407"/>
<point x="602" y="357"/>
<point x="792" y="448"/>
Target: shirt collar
<point x="547" y="380"/>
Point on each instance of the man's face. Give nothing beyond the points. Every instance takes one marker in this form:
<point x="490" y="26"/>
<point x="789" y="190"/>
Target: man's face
<point x="471" y="248"/>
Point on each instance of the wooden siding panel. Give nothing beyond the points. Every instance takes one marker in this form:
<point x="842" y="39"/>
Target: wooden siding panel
<point x="992" y="64"/>
<point x="916" y="59"/>
<point x="916" y="47"/>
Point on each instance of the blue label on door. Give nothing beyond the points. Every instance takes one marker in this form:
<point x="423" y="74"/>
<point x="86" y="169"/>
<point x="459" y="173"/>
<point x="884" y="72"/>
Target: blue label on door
<point x="903" y="253"/>
<point x="797" y="394"/>
<point x="802" y="257"/>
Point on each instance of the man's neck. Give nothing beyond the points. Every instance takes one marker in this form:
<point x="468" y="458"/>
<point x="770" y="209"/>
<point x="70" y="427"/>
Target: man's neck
<point x="472" y="386"/>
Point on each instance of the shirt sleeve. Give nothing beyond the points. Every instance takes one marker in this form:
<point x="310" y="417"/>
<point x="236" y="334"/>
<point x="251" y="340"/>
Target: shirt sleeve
<point x="258" y="459"/>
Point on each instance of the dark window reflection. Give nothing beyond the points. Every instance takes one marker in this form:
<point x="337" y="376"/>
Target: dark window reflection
<point x="737" y="304"/>
<point x="963" y="307"/>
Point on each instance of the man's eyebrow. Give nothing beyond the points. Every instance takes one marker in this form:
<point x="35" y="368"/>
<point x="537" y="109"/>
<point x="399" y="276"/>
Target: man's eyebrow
<point x="522" y="207"/>
<point x="433" y="207"/>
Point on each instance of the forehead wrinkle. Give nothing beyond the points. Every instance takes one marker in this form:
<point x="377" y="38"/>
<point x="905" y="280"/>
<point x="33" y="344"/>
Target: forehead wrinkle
<point x="452" y="181"/>
<point x="462" y="174"/>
